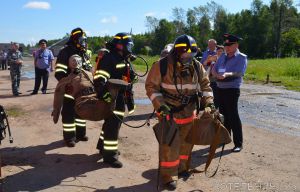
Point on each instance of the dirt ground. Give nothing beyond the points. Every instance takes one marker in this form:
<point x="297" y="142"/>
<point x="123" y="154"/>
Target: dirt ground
<point x="38" y="160"/>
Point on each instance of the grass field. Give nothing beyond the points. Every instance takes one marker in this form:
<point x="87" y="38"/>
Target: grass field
<point x="285" y="72"/>
<point x="282" y="72"/>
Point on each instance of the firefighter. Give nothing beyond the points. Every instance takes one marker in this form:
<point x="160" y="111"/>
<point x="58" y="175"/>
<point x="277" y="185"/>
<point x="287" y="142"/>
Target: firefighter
<point x="173" y="85"/>
<point x="74" y="128"/>
<point x="114" y="64"/>
<point x="71" y="85"/>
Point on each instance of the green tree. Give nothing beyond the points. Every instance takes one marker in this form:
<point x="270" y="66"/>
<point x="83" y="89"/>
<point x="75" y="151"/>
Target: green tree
<point x="291" y="43"/>
<point x="165" y="33"/>
<point x="179" y="20"/>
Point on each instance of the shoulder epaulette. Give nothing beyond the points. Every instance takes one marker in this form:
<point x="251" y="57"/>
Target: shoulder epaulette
<point x="242" y="54"/>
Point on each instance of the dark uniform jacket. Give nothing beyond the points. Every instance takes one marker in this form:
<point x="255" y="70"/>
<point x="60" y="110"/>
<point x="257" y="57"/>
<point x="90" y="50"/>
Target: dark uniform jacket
<point x="112" y="66"/>
<point x="61" y="67"/>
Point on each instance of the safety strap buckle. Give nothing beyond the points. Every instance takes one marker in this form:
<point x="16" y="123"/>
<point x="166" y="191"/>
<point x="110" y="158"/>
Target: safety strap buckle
<point x="185" y="100"/>
<point x="88" y="91"/>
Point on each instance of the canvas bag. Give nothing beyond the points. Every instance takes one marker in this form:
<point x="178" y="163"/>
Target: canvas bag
<point x="91" y="108"/>
<point x="205" y="129"/>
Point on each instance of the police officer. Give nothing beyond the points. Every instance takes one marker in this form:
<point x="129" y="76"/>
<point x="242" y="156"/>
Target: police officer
<point x="15" y="60"/>
<point x="43" y="66"/>
<point x="229" y="71"/>
<point x="173" y="86"/>
<point x="113" y="65"/>
<point x="74" y="128"/>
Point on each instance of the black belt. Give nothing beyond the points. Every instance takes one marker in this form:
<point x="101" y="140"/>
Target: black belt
<point x="184" y="100"/>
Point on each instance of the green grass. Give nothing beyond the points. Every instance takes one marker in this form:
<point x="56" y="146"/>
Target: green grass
<point x="140" y="65"/>
<point x="282" y="72"/>
<point x="14" y="111"/>
<point x="285" y="72"/>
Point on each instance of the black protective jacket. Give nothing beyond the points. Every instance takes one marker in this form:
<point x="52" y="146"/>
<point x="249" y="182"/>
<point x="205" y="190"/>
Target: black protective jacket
<point x="61" y="68"/>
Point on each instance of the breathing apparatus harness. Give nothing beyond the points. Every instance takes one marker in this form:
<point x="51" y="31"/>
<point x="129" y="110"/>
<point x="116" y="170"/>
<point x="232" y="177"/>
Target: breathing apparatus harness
<point x="183" y="98"/>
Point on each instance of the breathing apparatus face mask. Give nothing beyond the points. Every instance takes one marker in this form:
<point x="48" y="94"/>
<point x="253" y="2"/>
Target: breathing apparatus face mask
<point x="82" y="42"/>
<point x="186" y="58"/>
<point x="127" y="49"/>
<point x="186" y="61"/>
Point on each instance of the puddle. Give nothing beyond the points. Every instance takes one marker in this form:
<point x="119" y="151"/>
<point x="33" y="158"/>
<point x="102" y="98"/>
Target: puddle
<point x="142" y="101"/>
<point x="28" y="74"/>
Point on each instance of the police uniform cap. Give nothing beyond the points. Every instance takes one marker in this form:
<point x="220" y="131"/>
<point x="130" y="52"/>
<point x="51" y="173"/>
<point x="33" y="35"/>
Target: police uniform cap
<point x="43" y="41"/>
<point x="230" y="39"/>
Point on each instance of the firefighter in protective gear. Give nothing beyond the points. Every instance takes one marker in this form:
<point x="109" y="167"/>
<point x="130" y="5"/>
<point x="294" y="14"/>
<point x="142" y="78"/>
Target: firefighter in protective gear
<point x="88" y="54"/>
<point x="113" y="65"/>
<point x="72" y="85"/>
<point x="177" y="93"/>
<point x="74" y="128"/>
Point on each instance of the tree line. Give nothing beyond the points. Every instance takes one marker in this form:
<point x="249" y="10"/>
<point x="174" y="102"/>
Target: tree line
<point x="268" y="31"/>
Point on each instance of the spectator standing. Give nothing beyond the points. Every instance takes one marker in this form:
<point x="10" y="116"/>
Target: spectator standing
<point x="211" y="50"/>
<point x="3" y="57"/>
<point x="43" y="58"/>
<point x="15" y="60"/>
<point x="229" y="71"/>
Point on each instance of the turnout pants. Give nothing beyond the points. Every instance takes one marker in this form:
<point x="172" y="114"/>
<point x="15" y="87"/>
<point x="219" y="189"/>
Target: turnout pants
<point x="108" y="141"/>
<point x="73" y="126"/>
<point x="229" y="108"/>
<point x="176" y="158"/>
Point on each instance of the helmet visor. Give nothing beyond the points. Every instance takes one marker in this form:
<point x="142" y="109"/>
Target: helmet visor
<point x="129" y="46"/>
<point x="82" y="41"/>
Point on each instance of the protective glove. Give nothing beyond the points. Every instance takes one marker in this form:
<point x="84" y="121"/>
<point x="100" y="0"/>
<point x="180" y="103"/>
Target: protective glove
<point x="164" y="110"/>
<point x="104" y="94"/>
<point x="135" y="80"/>
<point x="107" y="97"/>
<point x="209" y="108"/>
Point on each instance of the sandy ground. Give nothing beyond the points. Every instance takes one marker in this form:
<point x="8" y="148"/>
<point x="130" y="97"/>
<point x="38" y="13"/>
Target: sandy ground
<point x="38" y="160"/>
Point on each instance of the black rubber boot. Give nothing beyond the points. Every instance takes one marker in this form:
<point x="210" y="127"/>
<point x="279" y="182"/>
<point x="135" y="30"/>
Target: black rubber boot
<point x="184" y="174"/>
<point x="114" y="163"/>
<point x="84" y="138"/>
<point x="171" y="186"/>
<point x="70" y="143"/>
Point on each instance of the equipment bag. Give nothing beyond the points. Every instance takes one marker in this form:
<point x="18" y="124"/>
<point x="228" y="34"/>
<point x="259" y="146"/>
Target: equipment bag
<point x="91" y="108"/>
<point x="206" y="128"/>
<point x="165" y="131"/>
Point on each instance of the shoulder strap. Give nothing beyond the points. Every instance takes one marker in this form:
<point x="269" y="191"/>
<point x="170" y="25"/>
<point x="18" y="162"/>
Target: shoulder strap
<point x="87" y="76"/>
<point x="196" y="67"/>
<point x="100" y="58"/>
<point x="163" y="64"/>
